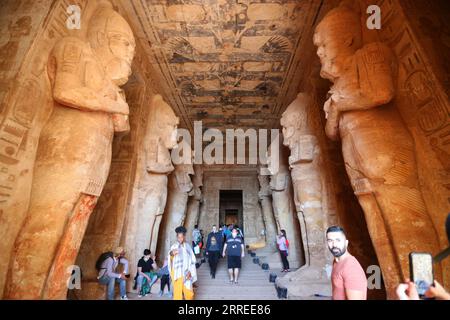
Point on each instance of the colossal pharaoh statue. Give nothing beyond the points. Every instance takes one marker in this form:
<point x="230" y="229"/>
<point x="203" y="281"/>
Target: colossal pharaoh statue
<point x="74" y="153"/>
<point x="265" y="200"/>
<point x="377" y="147"/>
<point x="150" y="197"/>
<point x="283" y="204"/>
<point x="193" y="207"/>
<point x="307" y="182"/>
<point x="180" y="188"/>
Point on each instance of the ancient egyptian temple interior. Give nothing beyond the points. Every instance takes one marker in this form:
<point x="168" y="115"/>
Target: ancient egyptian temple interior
<point x="121" y="120"/>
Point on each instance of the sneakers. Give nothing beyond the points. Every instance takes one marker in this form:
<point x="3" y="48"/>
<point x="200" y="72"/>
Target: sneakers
<point x="124" y="298"/>
<point x="160" y="293"/>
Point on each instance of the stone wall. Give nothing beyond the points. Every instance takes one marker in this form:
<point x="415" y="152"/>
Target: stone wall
<point x="29" y="30"/>
<point x="110" y="215"/>
<point x="233" y="179"/>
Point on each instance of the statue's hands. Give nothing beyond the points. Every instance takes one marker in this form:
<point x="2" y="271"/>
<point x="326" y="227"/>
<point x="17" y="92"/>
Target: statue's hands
<point x="121" y="105"/>
<point x="114" y="99"/>
<point x="332" y="116"/>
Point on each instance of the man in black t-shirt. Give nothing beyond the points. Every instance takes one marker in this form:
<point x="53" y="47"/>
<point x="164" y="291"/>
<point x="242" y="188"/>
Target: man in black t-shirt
<point x="234" y="247"/>
<point x="146" y="276"/>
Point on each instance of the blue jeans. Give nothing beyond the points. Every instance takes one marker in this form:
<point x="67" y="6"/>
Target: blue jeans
<point x="110" y="288"/>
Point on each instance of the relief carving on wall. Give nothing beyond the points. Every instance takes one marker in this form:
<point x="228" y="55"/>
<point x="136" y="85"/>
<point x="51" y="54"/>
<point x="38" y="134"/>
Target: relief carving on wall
<point x="74" y="152"/>
<point x="383" y="171"/>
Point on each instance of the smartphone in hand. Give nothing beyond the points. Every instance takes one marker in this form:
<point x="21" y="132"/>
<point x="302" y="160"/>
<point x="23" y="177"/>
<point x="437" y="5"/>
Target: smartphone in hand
<point x="421" y="271"/>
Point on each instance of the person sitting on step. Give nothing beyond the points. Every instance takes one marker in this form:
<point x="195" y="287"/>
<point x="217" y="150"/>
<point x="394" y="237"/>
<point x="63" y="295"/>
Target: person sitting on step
<point x="146" y="276"/>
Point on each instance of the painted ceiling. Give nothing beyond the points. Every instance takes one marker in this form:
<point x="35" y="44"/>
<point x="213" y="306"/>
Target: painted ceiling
<point x="228" y="63"/>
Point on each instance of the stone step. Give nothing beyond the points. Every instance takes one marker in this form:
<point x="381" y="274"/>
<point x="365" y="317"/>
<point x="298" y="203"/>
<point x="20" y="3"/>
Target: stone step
<point x="253" y="284"/>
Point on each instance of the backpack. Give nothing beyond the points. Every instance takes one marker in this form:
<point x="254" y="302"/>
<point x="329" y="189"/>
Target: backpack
<point x="102" y="258"/>
<point x="287" y="243"/>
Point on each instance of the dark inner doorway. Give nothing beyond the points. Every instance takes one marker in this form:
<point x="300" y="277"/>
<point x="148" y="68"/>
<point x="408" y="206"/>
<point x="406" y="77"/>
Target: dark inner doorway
<point x="231" y="208"/>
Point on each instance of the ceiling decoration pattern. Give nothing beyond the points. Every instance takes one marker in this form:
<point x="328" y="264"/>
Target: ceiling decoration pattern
<point x="227" y="63"/>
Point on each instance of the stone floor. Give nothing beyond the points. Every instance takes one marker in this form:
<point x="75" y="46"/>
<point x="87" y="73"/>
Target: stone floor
<point x="253" y="284"/>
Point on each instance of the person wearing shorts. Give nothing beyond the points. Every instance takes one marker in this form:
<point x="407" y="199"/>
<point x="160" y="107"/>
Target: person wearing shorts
<point x="234" y="249"/>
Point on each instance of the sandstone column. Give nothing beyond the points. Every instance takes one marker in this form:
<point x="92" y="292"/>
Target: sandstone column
<point x="149" y="198"/>
<point x="194" y="202"/>
<point x="74" y="153"/>
<point x="307" y="181"/>
<point x="283" y="206"/>
<point x="180" y="188"/>
<point x="377" y="147"/>
<point x="265" y="199"/>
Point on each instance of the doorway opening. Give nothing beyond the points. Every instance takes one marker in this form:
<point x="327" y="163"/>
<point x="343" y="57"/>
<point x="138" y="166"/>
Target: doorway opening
<point x="231" y="208"/>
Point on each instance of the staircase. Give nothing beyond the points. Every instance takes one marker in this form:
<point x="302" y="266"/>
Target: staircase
<point x="253" y="283"/>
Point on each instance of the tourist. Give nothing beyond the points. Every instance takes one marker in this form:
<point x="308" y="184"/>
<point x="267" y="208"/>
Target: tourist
<point x="165" y="279"/>
<point x="213" y="248"/>
<point x="196" y="237"/>
<point x="122" y="261"/>
<point x="347" y="278"/>
<point x="201" y="243"/>
<point x="240" y="233"/>
<point x="234" y="248"/>
<point x="283" y="248"/>
<point x="146" y="276"/>
<point x="181" y="266"/>
<point x="106" y="266"/>
<point x="227" y="232"/>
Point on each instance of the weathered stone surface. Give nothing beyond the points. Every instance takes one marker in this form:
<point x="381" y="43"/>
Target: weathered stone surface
<point x="194" y="202"/>
<point x="74" y="153"/>
<point x="383" y="170"/>
<point x="150" y="196"/>
<point x="216" y="178"/>
<point x="304" y="162"/>
<point x="265" y="200"/>
<point x="231" y="65"/>
<point x="283" y="205"/>
<point x="180" y="187"/>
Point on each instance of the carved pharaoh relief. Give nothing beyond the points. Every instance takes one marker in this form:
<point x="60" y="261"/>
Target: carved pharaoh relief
<point x="74" y="152"/>
<point x="377" y="147"/>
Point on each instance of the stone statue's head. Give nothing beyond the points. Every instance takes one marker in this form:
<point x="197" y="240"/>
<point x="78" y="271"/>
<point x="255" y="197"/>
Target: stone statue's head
<point x="294" y="119"/>
<point x="337" y="37"/>
<point x="164" y="122"/>
<point x="113" y="42"/>
<point x="183" y="173"/>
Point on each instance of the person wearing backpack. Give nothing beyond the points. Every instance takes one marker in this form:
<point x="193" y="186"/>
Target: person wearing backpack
<point x="106" y="265"/>
<point x="283" y="248"/>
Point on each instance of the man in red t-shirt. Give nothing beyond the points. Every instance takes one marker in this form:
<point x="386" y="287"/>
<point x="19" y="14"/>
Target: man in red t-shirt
<point x="347" y="278"/>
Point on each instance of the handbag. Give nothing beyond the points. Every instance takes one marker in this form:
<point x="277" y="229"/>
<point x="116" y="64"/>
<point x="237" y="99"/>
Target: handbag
<point x="196" y="249"/>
